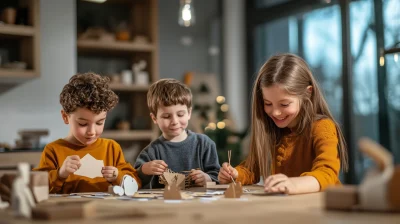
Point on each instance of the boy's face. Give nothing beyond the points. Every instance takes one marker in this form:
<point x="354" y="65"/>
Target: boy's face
<point x="85" y="126"/>
<point x="172" y="121"/>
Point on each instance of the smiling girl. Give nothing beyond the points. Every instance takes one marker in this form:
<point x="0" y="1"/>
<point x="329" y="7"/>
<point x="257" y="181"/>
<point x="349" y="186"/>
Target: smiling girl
<point x="296" y="145"/>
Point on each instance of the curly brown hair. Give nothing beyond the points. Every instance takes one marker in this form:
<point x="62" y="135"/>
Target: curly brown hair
<point x="168" y="92"/>
<point x="88" y="90"/>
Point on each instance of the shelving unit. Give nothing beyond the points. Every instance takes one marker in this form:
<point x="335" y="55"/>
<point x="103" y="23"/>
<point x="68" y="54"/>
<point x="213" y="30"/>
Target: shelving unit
<point x="20" y="42"/>
<point x="109" y="57"/>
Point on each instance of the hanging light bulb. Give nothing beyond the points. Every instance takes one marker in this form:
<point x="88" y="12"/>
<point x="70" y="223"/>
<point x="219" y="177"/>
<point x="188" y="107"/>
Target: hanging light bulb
<point x="186" y="13"/>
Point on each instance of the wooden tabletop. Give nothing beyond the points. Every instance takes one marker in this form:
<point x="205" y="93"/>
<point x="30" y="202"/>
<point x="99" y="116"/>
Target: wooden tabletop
<point x="307" y="208"/>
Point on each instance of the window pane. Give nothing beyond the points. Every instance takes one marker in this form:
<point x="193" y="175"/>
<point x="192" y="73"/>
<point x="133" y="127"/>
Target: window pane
<point x="365" y="93"/>
<point x="391" y="13"/>
<point x="271" y="38"/>
<point x="322" y="51"/>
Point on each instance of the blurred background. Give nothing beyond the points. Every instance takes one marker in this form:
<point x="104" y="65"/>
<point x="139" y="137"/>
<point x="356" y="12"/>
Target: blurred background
<point x="215" y="46"/>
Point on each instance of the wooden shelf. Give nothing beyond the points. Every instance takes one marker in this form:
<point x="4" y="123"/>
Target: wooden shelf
<point x="17" y="30"/>
<point x="22" y="43"/>
<point x="128" y="135"/>
<point x="128" y="47"/>
<point x="15" y="75"/>
<point x="129" y="88"/>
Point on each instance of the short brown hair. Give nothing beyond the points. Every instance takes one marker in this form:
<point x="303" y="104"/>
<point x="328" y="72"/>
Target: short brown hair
<point x="168" y="92"/>
<point x="88" y="90"/>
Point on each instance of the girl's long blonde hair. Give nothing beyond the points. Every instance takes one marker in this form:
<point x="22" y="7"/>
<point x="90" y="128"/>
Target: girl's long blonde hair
<point x="293" y="74"/>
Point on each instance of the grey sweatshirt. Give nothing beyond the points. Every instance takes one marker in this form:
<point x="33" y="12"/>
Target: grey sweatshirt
<point x="196" y="151"/>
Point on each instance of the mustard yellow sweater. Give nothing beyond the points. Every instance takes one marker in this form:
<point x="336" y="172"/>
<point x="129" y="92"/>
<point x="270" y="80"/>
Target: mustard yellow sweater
<point x="320" y="159"/>
<point x="107" y="150"/>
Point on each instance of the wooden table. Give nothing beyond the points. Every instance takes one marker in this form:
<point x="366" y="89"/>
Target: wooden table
<point x="307" y="208"/>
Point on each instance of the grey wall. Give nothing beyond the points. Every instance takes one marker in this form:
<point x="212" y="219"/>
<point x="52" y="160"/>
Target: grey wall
<point x="35" y="104"/>
<point x="234" y="32"/>
<point x="176" y="59"/>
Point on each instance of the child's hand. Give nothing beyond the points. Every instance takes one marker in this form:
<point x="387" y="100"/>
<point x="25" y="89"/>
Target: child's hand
<point x="70" y="165"/>
<point x="155" y="167"/>
<point x="225" y="174"/>
<point x="279" y="183"/>
<point x="199" y="177"/>
<point x="110" y="173"/>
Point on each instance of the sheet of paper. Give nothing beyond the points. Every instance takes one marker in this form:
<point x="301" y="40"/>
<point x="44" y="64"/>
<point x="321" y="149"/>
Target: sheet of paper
<point x="90" y="167"/>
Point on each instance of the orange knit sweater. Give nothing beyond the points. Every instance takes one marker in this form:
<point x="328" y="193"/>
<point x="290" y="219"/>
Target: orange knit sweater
<point x="320" y="159"/>
<point x="107" y="150"/>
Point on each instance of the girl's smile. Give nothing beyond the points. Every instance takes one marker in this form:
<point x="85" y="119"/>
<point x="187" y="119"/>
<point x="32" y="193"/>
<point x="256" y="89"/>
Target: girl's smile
<point x="280" y="106"/>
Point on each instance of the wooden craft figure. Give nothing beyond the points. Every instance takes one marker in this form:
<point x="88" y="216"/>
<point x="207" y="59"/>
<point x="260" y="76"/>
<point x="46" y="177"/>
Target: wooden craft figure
<point x="379" y="189"/>
<point x="235" y="190"/>
<point x="172" y="192"/>
<point x="374" y="191"/>
<point x="169" y="177"/>
<point x="21" y="196"/>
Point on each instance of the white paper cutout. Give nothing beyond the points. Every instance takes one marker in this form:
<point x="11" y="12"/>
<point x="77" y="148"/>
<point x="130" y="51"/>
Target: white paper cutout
<point x="90" y="167"/>
<point x="118" y="190"/>
<point x="130" y="185"/>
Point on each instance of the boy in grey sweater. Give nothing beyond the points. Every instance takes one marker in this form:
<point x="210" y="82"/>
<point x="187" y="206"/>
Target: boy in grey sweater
<point x="170" y="105"/>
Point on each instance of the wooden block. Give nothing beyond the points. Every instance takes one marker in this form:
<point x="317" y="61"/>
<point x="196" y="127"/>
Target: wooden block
<point x="341" y="197"/>
<point x="64" y="210"/>
<point x="217" y="187"/>
<point x="209" y="184"/>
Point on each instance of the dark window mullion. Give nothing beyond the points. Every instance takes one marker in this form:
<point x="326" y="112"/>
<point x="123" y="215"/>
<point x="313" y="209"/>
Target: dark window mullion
<point x="384" y="138"/>
<point x="347" y="84"/>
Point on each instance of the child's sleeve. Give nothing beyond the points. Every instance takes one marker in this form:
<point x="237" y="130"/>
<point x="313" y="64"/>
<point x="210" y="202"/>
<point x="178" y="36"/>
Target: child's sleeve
<point x="210" y="161"/>
<point x="326" y="165"/>
<point x="124" y="168"/>
<point x="49" y="163"/>
<point x="143" y="158"/>
<point x="245" y="176"/>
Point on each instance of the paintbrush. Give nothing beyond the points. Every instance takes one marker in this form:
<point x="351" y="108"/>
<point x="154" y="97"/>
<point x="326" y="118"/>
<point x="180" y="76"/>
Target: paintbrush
<point x="229" y="162"/>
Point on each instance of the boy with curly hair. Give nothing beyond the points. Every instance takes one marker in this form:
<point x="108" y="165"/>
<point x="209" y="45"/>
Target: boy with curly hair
<point x="179" y="149"/>
<point x="85" y="101"/>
